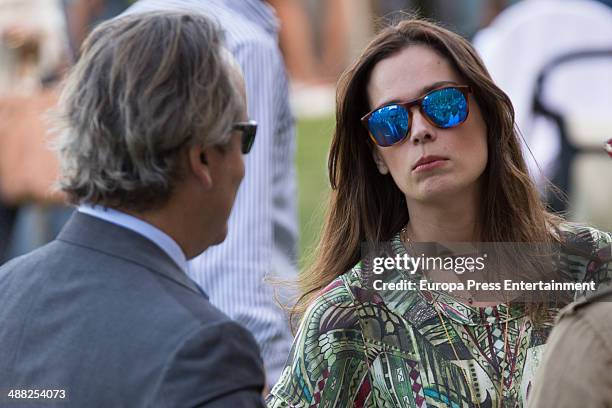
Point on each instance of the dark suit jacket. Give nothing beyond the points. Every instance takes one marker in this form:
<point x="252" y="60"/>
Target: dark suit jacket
<point x="106" y="315"/>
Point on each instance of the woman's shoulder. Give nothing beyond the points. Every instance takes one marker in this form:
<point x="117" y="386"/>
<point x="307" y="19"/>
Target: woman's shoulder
<point x="327" y="342"/>
<point x="586" y="253"/>
<point x="342" y="290"/>
<point x="584" y="238"/>
<point x="335" y="299"/>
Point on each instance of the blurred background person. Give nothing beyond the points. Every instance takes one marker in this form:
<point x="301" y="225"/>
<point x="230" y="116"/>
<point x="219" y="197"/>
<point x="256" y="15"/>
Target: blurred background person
<point x="554" y="59"/>
<point x="32" y="57"/>
<point x="296" y="38"/>
<point x="262" y="240"/>
<point x="317" y="39"/>
<point x="83" y="15"/>
<point x="463" y="16"/>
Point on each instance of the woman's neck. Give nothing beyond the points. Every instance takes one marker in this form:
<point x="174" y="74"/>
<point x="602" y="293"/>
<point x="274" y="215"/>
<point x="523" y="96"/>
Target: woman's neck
<point x="451" y="220"/>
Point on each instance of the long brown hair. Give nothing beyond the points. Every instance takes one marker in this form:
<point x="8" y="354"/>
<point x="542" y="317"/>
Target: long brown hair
<point x="365" y="206"/>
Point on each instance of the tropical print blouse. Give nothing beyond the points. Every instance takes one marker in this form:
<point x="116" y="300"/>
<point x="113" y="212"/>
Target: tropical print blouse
<point x="357" y="347"/>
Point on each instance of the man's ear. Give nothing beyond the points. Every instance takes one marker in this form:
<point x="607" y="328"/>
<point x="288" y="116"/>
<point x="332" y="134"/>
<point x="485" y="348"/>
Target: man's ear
<point x="380" y="163"/>
<point x="199" y="167"/>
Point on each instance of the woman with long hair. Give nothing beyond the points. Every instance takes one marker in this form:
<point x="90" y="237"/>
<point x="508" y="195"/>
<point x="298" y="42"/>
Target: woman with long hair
<point x="425" y="150"/>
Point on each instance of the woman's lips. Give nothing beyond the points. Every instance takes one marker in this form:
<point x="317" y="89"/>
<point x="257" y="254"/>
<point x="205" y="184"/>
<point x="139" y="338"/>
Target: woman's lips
<point x="430" y="165"/>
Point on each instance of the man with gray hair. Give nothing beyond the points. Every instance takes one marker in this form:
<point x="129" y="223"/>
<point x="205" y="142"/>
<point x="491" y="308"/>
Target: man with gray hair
<point x="154" y="128"/>
<point x="261" y="245"/>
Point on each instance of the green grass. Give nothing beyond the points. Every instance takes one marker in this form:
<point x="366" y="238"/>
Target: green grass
<point x="313" y="139"/>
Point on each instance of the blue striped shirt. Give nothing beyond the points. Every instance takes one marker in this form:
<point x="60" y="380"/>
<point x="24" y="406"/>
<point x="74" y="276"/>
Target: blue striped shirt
<point x="262" y="235"/>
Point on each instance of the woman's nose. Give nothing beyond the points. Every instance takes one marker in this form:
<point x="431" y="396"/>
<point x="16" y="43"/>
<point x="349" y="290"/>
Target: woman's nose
<point x="421" y="131"/>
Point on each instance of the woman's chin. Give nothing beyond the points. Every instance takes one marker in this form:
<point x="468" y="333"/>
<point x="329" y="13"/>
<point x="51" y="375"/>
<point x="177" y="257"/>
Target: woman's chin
<point x="439" y="189"/>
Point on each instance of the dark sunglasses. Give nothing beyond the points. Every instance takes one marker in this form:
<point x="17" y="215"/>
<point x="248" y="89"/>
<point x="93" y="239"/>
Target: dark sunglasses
<point x="249" y="130"/>
<point x="444" y="108"/>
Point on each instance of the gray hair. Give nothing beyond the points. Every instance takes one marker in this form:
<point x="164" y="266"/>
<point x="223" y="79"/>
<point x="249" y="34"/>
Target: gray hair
<point x="146" y="86"/>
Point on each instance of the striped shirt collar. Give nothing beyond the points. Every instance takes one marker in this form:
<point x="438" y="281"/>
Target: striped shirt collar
<point x="154" y="234"/>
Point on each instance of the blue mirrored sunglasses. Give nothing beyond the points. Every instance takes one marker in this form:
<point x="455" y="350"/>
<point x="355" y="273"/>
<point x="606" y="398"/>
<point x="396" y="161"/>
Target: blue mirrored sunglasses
<point x="444" y="108"/>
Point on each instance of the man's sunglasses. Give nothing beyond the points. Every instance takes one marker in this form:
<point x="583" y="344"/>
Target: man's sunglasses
<point x="444" y="108"/>
<point x="248" y="130"/>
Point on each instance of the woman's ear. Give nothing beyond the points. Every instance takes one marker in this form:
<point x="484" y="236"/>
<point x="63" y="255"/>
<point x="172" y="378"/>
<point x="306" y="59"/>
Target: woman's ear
<point x="380" y="163"/>
<point x="199" y="166"/>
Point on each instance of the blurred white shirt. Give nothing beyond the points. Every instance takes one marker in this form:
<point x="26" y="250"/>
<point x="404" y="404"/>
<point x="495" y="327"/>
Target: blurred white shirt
<point x="527" y="36"/>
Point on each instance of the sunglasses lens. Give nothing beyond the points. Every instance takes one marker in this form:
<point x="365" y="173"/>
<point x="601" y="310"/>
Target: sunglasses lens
<point x="248" y="138"/>
<point x="248" y="130"/>
<point x="447" y="107"/>
<point x="389" y="125"/>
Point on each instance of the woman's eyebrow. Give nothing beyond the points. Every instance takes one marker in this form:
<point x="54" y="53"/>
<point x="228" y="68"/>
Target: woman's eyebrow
<point x="422" y="92"/>
<point x="435" y="85"/>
